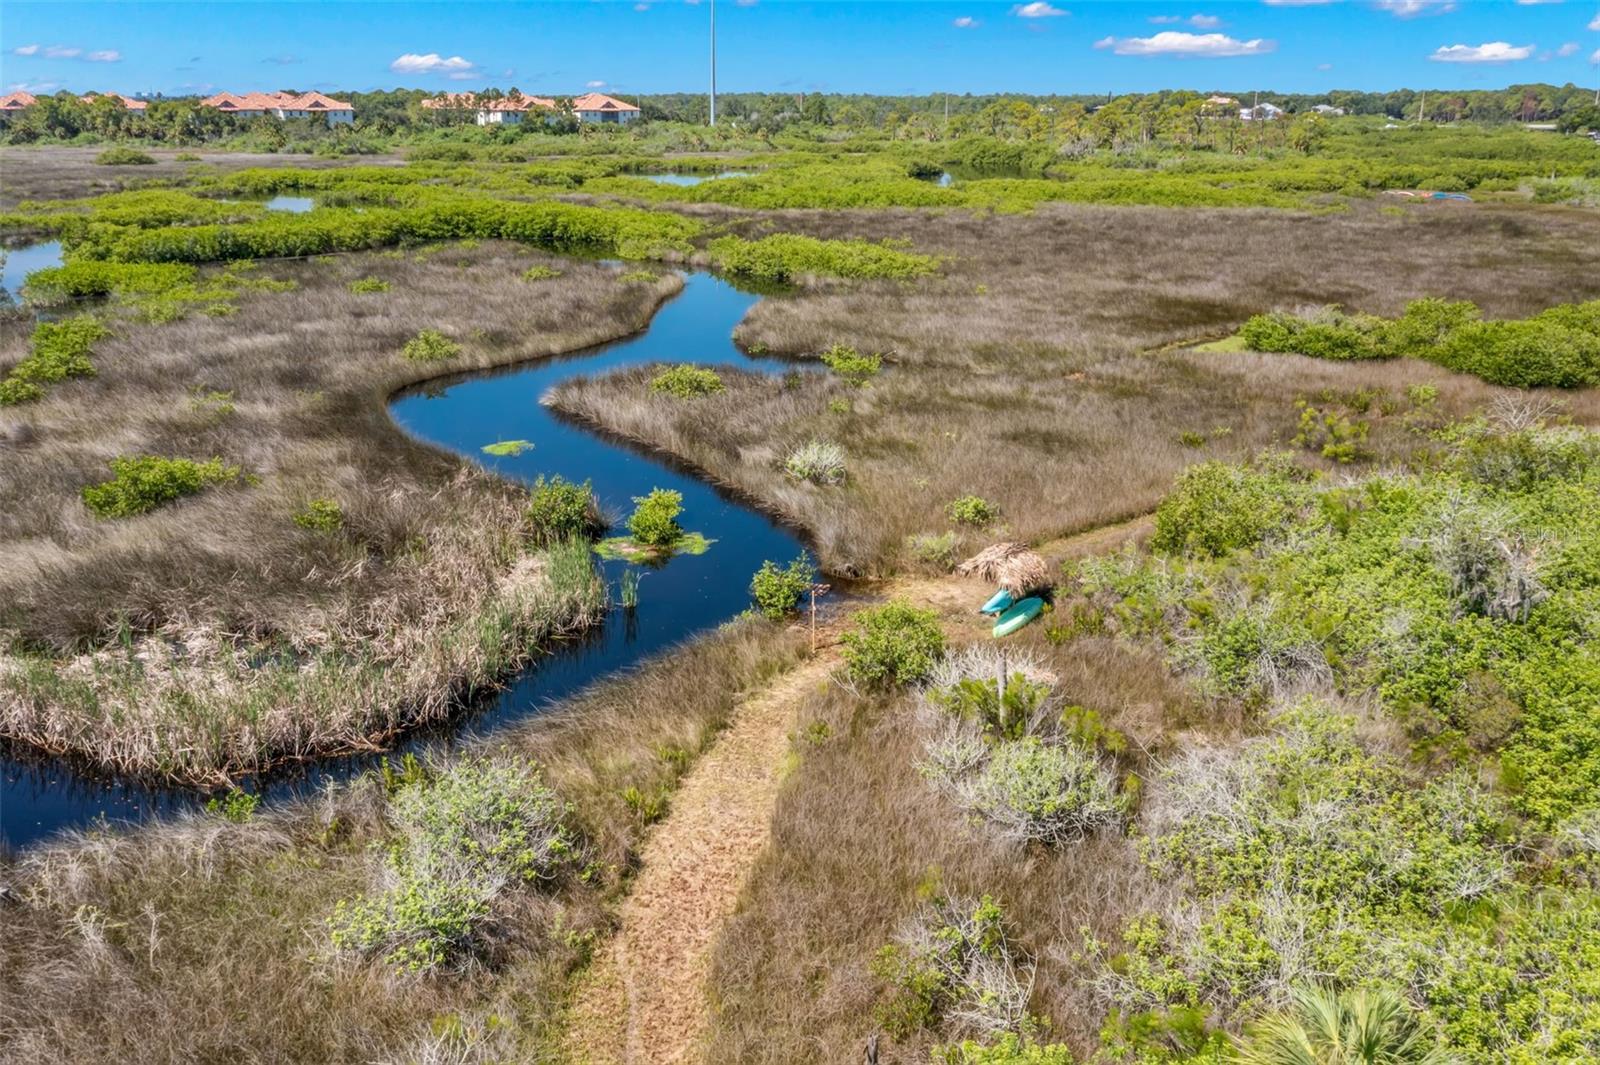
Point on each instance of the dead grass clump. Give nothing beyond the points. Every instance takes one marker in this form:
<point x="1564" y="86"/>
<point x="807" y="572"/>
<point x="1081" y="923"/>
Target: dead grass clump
<point x="1010" y="565"/>
<point x="1045" y="375"/>
<point x="128" y="945"/>
<point x="288" y="640"/>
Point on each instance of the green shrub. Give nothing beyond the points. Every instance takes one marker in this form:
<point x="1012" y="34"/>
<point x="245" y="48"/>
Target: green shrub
<point x="654" y="521"/>
<point x="953" y="959"/>
<point x="1010" y="1050"/>
<point x="1331" y="434"/>
<point x="320" y="515"/>
<point x="236" y="806"/>
<point x="560" y="510"/>
<point x="818" y="462"/>
<point x="540" y="273"/>
<point x="638" y="277"/>
<point x="59" y="350"/>
<point x="463" y="838"/>
<point x="123" y="156"/>
<point x="851" y="365"/>
<point x="785" y="256"/>
<point x="186" y="157"/>
<point x="686" y="380"/>
<point x="935" y="549"/>
<point x="777" y="591"/>
<point x="1360" y="1027"/>
<point x="145" y="482"/>
<point x="893" y="644"/>
<point x="87" y="279"/>
<point x="369" y="284"/>
<point x="972" y="510"/>
<point x="430" y="345"/>
<point x="1052" y="793"/>
<point x="1216" y="508"/>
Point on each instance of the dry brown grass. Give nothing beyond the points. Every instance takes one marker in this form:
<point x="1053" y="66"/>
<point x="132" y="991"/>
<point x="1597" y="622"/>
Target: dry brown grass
<point x="58" y="173"/>
<point x="200" y="584"/>
<point x="861" y="841"/>
<point x="200" y="940"/>
<point x="1029" y="371"/>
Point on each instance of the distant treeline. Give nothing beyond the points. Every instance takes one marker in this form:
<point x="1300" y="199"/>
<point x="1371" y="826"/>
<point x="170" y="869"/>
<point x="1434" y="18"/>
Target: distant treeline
<point x="381" y="118"/>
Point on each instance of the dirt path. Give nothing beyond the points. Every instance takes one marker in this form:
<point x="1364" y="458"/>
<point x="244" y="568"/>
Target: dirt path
<point x="644" y="1000"/>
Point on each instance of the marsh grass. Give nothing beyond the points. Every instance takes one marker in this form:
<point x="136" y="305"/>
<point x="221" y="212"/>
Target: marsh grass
<point x="201" y="938"/>
<point x="216" y="632"/>
<point x="861" y="843"/>
<point x="1043" y="368"/>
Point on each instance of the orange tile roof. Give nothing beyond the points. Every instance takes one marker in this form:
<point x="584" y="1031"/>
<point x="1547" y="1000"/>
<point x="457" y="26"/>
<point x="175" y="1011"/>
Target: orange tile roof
<point x="265" y="101"/>
<point x="127" y="101"/>
<point x="599" y="101"/>
<point x="16" y="101"/>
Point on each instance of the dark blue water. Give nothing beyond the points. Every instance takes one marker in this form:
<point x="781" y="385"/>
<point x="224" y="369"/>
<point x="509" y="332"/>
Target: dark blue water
<point x="684" y="596"/>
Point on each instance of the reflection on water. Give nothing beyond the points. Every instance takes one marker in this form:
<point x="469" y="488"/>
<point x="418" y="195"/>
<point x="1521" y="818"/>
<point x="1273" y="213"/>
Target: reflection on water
<point x="686" y="596"/>
<point x="20" y="262"/>
<point x="694" y="179"/>
<point x="292" y="204"/>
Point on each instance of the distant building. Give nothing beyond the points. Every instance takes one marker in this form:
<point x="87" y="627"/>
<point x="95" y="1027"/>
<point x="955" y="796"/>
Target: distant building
<point x="128" y="102"/>
<point x="1221" y="101"/>
<point x="282" y="105"/>
<point x="1261" y="113"/>
<point x="1329" y="110"/>
<point x="12" y="102"/>
<point x="598" y="107"/>
<point x="506" y="111"/>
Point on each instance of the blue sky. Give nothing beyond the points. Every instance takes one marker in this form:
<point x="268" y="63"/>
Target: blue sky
<point x="786" y="45"/>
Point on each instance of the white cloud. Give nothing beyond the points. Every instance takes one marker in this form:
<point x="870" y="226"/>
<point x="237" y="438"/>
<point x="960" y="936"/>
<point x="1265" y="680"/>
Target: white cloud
<point x="1567" y="49"/>
<point x="26" y="49"/>
<point x="1493" y="52"/>
<point x="1324" y="66"/>
<point x="1037" y="9"/>
<point x="1205" y="22"/>
<point x="56" y="51"/>
<point x="107" y="55"/>
<point x="1169" y="42"/>
<point x="641" y="6"/>
<point x="746" y="3"/>
<point x="1296" y="3"/>
<point x="594" y="85"/>
<point x="433" y="63"/>
<point x="966" y="22"/>
<point x="1531" y="3"/>
<point x="1413" y="8"/>
<point x="34" y="86"/>
<point x="1595" y="59"/>
<point x="1595" y="25"/>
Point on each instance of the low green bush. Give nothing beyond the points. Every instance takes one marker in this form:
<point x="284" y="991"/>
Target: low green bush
<point x="123" y="156"/>
<point x="638" y="277"/>
<point x="851" y="365"/>
<point x="1051" y="793"/>
<point x="686" y="381"/>
<point x="560" y="510"/>
<point x="892" y="645"/>
<point x="89" y="278"/>
<point x="320" y="515"/>
<point x="1557" y="348"/>
<point x="143" y="483"/>
<point x="59" y="350"/>
<point x="972" y="510"/>
<point x="369" y="284"/>
<point x="463" y="838"/>
<point x="236" y="806"/>
<point x="1011" y="1049"/>
<point x="786" y="256"/>
<point x="777" y="591"/>
<point x="430" y="345"/>
<point x="654" y="521"/>
<point x="540" y="273"/>
<point x="1216" y="508"/>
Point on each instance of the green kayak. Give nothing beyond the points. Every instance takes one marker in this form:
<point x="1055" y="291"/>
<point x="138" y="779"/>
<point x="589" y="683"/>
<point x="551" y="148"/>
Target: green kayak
<point x="1018" y="616"/>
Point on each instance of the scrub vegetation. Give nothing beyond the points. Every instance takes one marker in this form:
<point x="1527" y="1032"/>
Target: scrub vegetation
<point x="1311" y="753"/>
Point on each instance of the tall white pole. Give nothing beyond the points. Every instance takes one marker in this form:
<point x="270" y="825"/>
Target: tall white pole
<point x="713" y="62"/>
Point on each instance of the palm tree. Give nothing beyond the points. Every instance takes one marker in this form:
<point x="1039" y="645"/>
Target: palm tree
<point x="1329" y="1027"/>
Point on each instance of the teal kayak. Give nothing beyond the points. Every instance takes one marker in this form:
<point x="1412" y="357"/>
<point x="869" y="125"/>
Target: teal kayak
<point x="1018" y="616"/>
<point x="999" y="602"/>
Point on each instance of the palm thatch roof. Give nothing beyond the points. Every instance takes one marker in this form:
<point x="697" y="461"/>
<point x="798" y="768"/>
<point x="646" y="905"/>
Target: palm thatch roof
<point x="1010" y="565"/>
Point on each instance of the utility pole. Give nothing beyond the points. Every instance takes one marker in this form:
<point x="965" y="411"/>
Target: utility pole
<point x="713" y="62"/>
<point x="1422" y="108"/>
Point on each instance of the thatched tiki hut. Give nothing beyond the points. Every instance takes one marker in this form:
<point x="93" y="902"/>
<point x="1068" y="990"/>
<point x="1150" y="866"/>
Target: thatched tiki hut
<point x="1012" y="566"/>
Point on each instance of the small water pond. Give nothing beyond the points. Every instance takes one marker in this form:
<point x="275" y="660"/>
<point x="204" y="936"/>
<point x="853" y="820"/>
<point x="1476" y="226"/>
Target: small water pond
<point x="679" y="598"/>
<point x="292" y="204"/>
<point x="694" y="179"/>
<point x="20" y="262"/>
